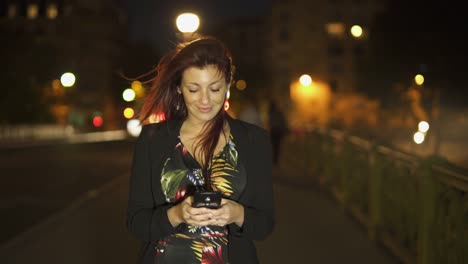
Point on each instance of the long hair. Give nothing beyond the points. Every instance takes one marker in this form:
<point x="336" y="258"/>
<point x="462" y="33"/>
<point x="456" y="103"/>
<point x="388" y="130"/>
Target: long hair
<point x="163" y="96"/>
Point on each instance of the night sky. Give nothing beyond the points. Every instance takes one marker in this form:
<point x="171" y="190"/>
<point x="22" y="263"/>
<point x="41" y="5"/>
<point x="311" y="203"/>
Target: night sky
<point x="410" y="36"/>
<point x="154" y="21"/>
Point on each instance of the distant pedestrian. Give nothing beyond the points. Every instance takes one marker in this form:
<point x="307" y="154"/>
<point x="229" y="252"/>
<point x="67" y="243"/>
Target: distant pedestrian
<point x="278" y="127"/>
<point x="250" y="113"/>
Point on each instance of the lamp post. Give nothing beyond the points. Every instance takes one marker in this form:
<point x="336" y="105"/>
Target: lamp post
<point x="187" y="24"/>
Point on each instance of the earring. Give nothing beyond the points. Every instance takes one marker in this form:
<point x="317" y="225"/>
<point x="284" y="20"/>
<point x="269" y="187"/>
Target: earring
<point x="177" y="106"/>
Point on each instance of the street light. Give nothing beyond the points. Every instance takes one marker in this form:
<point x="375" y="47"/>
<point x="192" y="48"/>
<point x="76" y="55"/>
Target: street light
<point x="419" y="79"/>
<point x="187" y="24"/>
<point x="68" y="79"/>
<point x="356" y="31"/>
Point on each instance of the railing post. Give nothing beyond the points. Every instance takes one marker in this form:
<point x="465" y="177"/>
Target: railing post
<point x="375" y="193"/>
<point x="428" y="201"/>
<point x="345" y="170"/>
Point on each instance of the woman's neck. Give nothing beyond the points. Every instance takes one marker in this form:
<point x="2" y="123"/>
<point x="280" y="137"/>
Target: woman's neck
<point x="193" y="127"/>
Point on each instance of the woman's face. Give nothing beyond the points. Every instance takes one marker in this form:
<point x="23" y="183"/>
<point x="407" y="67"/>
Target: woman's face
<point x="204" y="90"/>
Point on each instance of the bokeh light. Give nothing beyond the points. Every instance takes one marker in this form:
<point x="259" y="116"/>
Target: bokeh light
<point x="129" y="112"/>
<point x="418" y="137"/>
<point x="419" y="79"/>
<point x="134" y="127"/>
<point x="68" y="79"/>
<point x="305" y="80"/>
<point x="187" y="22"/>
<point x="128" y="95"/>
<point x="423" y="126"/>
<point x="241" y="85"/>
<point x="356" y="31"/>
<point x="98" y="121"/>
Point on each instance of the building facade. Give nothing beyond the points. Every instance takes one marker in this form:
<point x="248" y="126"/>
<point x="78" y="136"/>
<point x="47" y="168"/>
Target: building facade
<point x="85" y="37"/>
<point x="315" y="38"/>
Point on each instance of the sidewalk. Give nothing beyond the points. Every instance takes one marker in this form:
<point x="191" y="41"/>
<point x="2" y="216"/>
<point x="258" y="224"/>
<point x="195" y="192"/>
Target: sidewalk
<point x="310" y="228"/>
<point x="112" y="135"/>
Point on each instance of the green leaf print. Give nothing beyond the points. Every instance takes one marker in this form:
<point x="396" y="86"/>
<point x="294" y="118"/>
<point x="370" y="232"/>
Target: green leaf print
<point x="232" y="156"/>
<point x="170" y="181"/>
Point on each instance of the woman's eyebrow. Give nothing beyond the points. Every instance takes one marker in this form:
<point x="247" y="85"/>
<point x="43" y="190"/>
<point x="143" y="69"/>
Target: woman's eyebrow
<point x="195" y="83"/>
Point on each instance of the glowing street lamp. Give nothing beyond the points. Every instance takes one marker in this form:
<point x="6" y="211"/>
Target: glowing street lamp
<point x="128" y="95"/>
<point x="305" y="80"/>
<point x="418" y="137"/>
<point x="356" y="31"/>
<point x="67" y="79"/>
<point x="187" y="22"/>
<point x="419" y="79"/>
<point x="423" y="126"/>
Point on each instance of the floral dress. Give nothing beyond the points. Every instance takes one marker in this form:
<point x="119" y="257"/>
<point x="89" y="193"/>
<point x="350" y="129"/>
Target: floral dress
<point x="182" y="176"/>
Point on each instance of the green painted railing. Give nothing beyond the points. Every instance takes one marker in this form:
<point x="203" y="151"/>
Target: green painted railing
<point x="416" y="207"/>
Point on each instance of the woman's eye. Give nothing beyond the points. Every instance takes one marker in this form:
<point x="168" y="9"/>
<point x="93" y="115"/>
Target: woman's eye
<point x="192" y="91"/>
<point x="215" y="89"/>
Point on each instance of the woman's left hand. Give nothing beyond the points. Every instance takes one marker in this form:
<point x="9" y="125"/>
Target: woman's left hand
<point x="229" y="212"/>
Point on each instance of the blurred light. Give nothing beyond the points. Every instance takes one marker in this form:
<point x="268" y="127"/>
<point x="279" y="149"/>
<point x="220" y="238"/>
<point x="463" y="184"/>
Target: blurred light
<point x="226" y="105"/>
<point x="418" y="137"/>
<point x="356" y="31"/>
<point x="11" y="10"/>
<point x="134" y="127"/>
<point x="138" y="88"/>
<point x="98" y="121"/>
<point x="68" y="79"/>
<point x="419" y="79"/>
<point x="128" y="112"/>
<point x="33" y="11"/>
<point x="228" y="94"/>
<point x="335" y="29"/>
<point x="56" y="86"/>
<point x="156" y="118"/>
<point x="241" y="85"/>
<point x="305" y="80"/>
<point x="128" y="95"/>
<point x="52" y="11"/>
<point x="187" y="22"/>
<point x="423" y="126"/>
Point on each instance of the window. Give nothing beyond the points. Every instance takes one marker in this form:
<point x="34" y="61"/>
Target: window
<point x="336" y="69"/>
<point x="12" y="12"/>
<point x="336" y="30"/>
<point x="284" y="34"/>
<point x="52" y="11"/>
<point x="359" y="50"/>
<point x="335" y="50"/>
<point x="32" y="11"/>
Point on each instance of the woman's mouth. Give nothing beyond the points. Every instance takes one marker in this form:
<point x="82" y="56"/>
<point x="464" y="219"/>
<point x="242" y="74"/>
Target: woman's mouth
<point x="204" y="109"/>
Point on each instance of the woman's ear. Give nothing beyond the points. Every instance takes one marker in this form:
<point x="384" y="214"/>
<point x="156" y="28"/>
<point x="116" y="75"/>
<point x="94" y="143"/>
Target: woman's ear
<point x="178" y="90"/>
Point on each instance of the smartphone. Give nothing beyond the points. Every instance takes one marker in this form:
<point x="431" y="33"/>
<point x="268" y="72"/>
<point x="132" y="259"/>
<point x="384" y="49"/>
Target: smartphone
<point x="208" y="199"/>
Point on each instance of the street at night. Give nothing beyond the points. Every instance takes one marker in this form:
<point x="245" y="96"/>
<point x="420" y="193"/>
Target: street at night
<point x="68" y="206"/>
<point x="40" y="181"/>
<point x="363" y="102"/>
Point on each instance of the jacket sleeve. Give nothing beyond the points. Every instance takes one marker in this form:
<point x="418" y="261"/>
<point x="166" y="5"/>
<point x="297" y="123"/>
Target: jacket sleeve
<point x="146" y="214"/>
<point x="259" y="205"/>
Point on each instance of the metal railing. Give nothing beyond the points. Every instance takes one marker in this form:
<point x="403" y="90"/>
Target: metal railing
<point x="417" y="207"/>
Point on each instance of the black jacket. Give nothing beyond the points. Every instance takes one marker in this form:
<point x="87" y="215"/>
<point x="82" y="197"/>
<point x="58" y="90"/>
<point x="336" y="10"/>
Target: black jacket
<point x="147" y="209"/>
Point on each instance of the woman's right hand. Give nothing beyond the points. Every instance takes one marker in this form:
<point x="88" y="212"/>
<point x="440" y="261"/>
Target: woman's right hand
<point x="183" y="212"/>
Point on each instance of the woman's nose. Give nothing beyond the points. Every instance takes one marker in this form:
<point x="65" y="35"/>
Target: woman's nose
<point x="205" y="97"/>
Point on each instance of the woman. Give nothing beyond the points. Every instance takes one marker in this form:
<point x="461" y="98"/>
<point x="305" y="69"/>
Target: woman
<point x="198" y="147"/>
